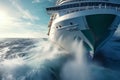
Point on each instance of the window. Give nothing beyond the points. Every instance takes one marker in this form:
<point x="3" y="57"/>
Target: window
<point x="76" y="5"/>
<point x="61" y="7"/>
<point x="103" y="4"/>
<point x="58" y="8"/>
<point x="92" y="4"/>
<point x="85" y="4"/>
<point x="114" y="5"/>
<point x="109" y="4"/>
<point x="60" y="26"/>
<point x="71" y="23"/>
<point x="96" y="3"/>
<point x="82" y="4"/>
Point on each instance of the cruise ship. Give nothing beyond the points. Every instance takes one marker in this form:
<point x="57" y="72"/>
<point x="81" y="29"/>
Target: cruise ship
<point x="92" y="21"/>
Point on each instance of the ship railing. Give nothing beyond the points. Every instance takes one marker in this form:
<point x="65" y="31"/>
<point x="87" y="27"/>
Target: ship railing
<point x="91" y="8"/>
<point x="105" y="7"/>
<point x="82" y="5"/>
<point x="50" y="22"/>
<point x="51" y="19"/>
<point x="63" y="1"/>
<point x="99" y="7"/>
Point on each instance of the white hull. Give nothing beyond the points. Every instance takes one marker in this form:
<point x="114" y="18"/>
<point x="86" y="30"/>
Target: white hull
<point x="67" y="24"/>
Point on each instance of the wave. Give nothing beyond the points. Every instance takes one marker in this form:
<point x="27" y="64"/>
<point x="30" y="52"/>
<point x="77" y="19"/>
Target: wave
<point x="39" y="59"/>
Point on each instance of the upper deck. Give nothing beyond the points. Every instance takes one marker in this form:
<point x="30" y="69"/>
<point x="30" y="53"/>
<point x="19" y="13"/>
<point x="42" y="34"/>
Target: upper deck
<point x="60" y="2"/>
<point x="87" y="4"/>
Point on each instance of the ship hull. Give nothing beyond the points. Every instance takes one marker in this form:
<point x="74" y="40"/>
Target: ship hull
<point x="93" y="30"/>
<point x="93" y="22"/>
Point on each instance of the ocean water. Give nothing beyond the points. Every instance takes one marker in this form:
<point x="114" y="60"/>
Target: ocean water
<point x="39" y="59"/>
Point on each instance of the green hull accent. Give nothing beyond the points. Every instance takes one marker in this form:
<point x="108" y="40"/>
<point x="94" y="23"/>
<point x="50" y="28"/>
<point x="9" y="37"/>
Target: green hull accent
<point x="99" y="25"/>
<point x="90" y="37"/>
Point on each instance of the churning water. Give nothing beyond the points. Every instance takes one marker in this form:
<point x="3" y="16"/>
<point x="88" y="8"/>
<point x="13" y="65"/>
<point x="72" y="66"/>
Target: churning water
<point x="38" y="59"/>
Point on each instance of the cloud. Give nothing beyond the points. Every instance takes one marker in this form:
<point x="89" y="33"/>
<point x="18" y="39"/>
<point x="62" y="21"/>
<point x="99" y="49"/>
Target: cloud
<point x="28" y="15"/>
<point x="22" y="30"/>
<point x="20" y="23"/>
<point x="36" y="1"/>
<point x="25" y="14"/>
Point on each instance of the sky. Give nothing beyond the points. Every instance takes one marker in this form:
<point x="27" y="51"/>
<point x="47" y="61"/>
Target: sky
<point x="24" y="18"/>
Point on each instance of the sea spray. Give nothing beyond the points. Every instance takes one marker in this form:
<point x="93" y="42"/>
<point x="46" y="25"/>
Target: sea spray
<point x="41" y="62"/>
<point x="77" y="67"/>
<point x="81" y="66"/>
<point x="38" y="59"/>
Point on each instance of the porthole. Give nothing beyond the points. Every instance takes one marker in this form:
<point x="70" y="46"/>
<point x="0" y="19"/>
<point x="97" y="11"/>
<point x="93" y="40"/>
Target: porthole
<point x="60" y="26"/>
<point x="71" y="23"/>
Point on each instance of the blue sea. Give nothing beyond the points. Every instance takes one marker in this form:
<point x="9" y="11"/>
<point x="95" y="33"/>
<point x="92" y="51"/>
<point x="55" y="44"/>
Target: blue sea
<point x="40" y="59"/>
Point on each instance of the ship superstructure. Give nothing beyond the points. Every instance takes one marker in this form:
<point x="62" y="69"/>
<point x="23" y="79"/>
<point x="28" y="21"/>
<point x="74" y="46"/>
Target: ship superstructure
<point x="93" y="21"/>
